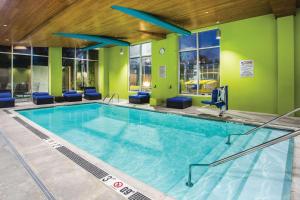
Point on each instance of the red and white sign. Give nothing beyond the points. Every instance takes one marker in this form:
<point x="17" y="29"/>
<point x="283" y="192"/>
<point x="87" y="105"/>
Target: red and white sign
<point x="119" y="186"/>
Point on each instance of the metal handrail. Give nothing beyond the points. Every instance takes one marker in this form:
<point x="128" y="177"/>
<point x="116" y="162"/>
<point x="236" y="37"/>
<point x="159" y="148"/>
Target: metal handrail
<point x="242" y="153"/>
<point x="261" y="126"/>
<point x="105" y="97"/>
<point x="111" y="98"/>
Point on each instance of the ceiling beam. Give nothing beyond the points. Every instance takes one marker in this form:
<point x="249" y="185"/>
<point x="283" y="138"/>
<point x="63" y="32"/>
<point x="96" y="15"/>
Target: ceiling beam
<point x="94" y="38"/>
<point x="47" y="21"/>
<point x="283" y="8"/>
<point x="94" y="46"/>
<point x="152" y="20"/>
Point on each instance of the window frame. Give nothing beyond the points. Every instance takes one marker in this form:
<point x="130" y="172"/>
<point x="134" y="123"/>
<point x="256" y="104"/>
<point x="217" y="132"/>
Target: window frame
<point x="140" y="57"/>
<point x="197" y="49"/>
<point x="75" y="59"/>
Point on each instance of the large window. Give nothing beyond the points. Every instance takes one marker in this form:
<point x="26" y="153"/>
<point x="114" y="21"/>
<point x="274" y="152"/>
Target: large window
<point x="140" y="63"/>
<point x="199" y="56"/>
<point x="79" y="68"/>
<point x="23" y="70"/>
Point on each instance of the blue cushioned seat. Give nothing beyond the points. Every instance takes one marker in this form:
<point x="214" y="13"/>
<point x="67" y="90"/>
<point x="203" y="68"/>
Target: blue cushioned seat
<point x="40" y="98"/>
<point x="72" y="96"/>
<point x="6" y="99"/>
<point x="139" y="98"/>
<point x="90" y="93"/>
<point x="179" y="102"/>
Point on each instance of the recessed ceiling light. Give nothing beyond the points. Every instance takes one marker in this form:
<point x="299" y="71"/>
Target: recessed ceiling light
<point x="206" y="12"/>
<point x="217" y="22"/>
<point x="4" y="25"/>
<point x="6" y="39"/>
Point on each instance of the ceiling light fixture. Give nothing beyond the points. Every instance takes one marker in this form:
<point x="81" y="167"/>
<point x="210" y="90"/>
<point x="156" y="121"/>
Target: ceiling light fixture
<point x="5" y="25"/>
<point x="121" y="51"/>
<point x="218" y="34"/>
<point x="206" y="12"/>
<point x="20" y="47"/>
<point x="217" y="22"/>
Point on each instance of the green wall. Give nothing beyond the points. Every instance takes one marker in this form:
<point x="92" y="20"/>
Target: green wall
<point x="297" y="60"/>
<point x="285" y="64"/>
<point x="163" y="88"/>
<point x="117" y="66"/>
<point x="55" y="71"/>
<point x="250" y="39"/>
<point x="257" y="39"/>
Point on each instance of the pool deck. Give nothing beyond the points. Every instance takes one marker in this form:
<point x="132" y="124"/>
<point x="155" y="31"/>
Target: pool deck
<point x="64" y="179"/>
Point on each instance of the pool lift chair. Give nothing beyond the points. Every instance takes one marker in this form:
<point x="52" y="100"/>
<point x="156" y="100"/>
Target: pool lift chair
<point x="219" y="98"/>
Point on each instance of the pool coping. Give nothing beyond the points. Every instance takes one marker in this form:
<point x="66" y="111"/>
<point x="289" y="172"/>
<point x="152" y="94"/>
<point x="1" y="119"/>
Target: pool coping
<point x="94" y="160"/>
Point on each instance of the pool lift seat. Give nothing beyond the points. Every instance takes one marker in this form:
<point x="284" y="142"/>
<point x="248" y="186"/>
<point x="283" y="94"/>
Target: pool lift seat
<point x="219" y="98"/>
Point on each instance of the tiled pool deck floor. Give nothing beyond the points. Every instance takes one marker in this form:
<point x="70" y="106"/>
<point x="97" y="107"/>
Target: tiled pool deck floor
<point x="64" y="179"/>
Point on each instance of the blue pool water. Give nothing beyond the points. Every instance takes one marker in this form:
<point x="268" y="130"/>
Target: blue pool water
<point x="157" y="148"/>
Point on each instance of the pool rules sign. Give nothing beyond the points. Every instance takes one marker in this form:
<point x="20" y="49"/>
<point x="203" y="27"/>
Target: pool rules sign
<point x="247" y="68"/>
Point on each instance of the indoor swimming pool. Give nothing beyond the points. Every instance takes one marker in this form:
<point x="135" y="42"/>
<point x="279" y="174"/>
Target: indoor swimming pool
<point x="157" y="148"/>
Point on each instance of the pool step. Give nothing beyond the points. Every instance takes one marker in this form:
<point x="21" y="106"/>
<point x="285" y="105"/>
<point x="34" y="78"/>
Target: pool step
<point x="234" y="180"/>
<point x="180" y="189"/>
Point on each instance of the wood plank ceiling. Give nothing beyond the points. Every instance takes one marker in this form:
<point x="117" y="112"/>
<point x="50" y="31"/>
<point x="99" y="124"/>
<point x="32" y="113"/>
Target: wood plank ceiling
<point x="34" y="22"/>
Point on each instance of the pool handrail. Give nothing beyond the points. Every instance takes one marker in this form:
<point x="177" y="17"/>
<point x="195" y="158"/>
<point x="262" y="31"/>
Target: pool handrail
<point x="111" y="98"/>
<point x="242" y="153"/>
<point x="261" y="126"/>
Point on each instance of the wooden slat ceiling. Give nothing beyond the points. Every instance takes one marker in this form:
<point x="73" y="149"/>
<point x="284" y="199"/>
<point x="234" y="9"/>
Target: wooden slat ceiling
<point x="34" y="22"/>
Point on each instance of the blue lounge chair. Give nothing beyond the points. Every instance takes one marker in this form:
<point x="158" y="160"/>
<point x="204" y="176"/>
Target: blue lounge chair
<point x="6" y="99"/>
<point x="139" y="98"/>
<point x="179" y="102"/>
<point x="40" y="98"/>
<point x="90" y="93"/>
<point x="72" y="96"/>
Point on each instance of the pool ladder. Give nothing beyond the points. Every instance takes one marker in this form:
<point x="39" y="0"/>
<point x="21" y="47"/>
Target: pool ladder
<point x="111" y="98"/>
<point x="247" y="151"/>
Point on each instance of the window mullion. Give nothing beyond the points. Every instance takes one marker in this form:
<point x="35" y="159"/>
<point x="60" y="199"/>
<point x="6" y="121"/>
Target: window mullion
<point x="198" y="65"/>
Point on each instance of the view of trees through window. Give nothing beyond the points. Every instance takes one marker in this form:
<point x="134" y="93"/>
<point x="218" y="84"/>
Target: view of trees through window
<point x="78" y="68"/>
<point x="140" y="63"/>
<point x="199" y="57"/>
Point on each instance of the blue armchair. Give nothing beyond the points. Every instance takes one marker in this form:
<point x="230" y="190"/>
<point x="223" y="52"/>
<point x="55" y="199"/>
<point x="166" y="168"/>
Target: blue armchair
<point x="72" y="96"/>
<point x="90" y="93"/>
<point x="6" y="99"/>
<point x="40" y="98"/>
<point x="139" y="98"/>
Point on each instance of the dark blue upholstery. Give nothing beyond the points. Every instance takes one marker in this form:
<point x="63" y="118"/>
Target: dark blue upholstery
<point x="214" y="99"/>
<point x="40" y="98"/>
<point x="72" y="96"/>
<point x="5" y="94"/>
<point x="90" y="93"/>
<point x="6" y="100"/>
<point x="179" y="102"/>
<point x="139" y="98"/>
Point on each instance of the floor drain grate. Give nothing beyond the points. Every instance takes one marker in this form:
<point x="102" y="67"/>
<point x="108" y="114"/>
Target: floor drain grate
<point x="97" y="172"/>
<point x="32" y="129"/>
<point x="138" y="196"/>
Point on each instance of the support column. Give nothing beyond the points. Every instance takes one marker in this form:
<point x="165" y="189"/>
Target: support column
<point x="285" y="64"/>
<point x="103" y="80"/>
<point x="55" y="71"/>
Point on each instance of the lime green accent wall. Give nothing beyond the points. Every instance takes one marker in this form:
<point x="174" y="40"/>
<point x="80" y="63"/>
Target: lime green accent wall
<point x="266" y="40"/>
<point x="250" y="39"/>
<point x="163" y="88"/>
<point x="286" y="62"/>
<point x="117" y="66"/>
<point x="103" y="83"/>
<point x="297" y="60"/>
<point x="55" y="71"/>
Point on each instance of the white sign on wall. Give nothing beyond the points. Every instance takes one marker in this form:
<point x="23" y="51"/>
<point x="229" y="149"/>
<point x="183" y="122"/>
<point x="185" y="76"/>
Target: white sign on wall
<point x="162" y="71"/>
<point x="247" y="68"/>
